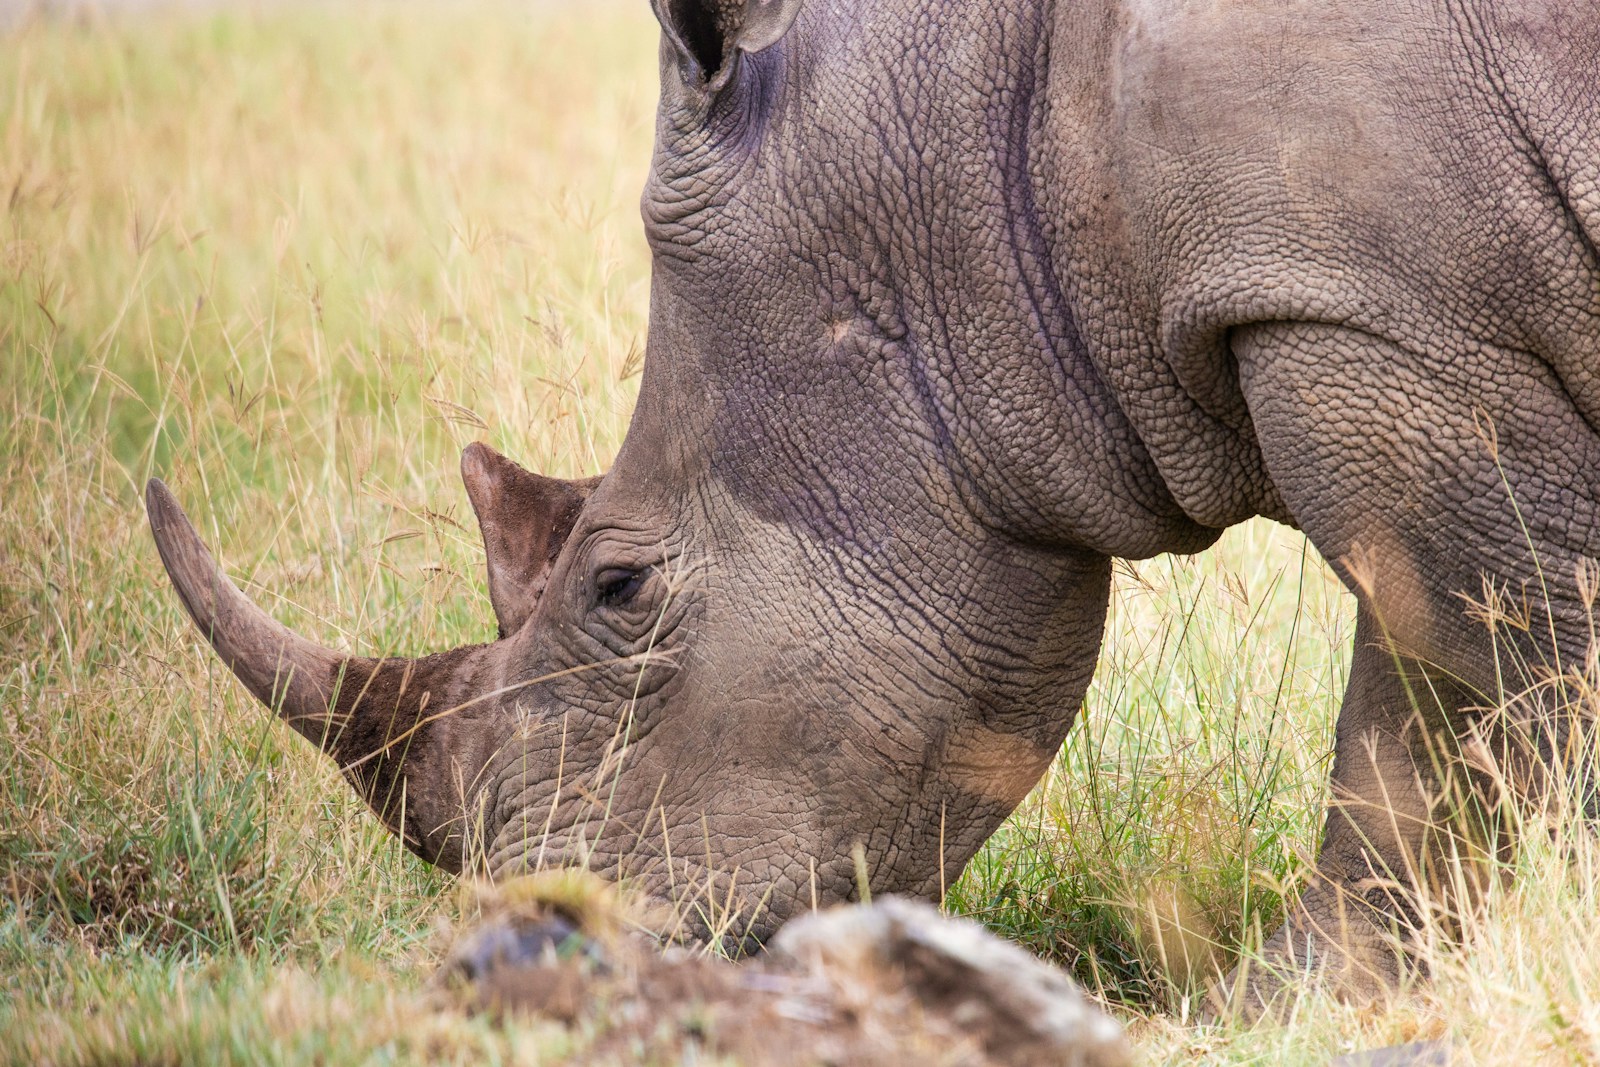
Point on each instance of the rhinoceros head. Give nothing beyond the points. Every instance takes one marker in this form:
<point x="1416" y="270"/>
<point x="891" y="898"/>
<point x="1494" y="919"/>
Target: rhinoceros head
<point x="786" y="629"/>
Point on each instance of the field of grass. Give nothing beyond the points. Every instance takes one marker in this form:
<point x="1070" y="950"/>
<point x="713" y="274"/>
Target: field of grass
<point x="292" y="262"/>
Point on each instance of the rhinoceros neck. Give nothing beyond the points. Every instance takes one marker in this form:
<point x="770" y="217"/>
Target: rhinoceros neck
<point x="953" y="190"/>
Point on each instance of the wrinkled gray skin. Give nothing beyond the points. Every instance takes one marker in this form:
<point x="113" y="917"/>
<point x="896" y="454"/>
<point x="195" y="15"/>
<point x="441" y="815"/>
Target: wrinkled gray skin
<point x="953" y="303"/>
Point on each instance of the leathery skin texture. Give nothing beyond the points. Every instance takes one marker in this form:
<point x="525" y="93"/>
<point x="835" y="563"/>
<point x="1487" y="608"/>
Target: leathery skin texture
<point x="953" y="303"/>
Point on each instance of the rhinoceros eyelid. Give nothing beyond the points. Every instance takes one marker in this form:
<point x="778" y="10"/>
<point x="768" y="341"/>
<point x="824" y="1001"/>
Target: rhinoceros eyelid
<point x="615" y="586"/>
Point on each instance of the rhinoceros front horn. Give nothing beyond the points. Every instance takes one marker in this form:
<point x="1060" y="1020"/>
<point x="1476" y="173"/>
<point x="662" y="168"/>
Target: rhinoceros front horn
<point x="401" y="730"/>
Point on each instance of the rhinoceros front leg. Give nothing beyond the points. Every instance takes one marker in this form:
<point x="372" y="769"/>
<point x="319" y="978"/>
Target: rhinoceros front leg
<point x="1393" y="823"/>
<point x="1452" y="483"/>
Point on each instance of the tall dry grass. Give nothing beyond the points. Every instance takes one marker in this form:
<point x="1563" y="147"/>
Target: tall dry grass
<point x="291" y="262"/>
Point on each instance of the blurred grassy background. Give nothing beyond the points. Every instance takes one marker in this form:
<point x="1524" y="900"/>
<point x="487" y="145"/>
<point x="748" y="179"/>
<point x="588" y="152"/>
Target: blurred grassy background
<point x="292" y="261"/>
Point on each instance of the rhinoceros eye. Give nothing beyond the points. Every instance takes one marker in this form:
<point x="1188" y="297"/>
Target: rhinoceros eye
<point x="615" y="586"/>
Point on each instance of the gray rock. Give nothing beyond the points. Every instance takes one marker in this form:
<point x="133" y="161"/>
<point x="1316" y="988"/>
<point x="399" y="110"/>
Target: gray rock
<point x="1414" y="1054"/>
<point x="1020" y="1009"/>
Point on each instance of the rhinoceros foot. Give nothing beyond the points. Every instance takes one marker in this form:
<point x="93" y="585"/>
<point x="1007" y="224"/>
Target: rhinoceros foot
<point x="1349" y="946"/>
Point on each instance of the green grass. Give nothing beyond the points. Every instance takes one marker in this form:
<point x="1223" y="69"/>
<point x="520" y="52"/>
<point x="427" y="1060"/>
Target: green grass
<point x="292" y="262"/>
<point x="1198" y="766"/>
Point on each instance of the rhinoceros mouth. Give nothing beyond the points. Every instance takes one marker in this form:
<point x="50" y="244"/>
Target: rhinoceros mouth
<point x="731" y="909"/>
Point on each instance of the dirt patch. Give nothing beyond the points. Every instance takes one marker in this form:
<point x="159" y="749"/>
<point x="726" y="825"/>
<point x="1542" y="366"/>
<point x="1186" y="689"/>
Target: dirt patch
<point x="889" y="983"/>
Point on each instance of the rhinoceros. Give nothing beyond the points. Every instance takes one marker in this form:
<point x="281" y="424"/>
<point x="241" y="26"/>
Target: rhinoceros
<point x="952" y="304"/>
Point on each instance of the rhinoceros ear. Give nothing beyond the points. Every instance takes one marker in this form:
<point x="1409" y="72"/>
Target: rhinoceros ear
<point x="707" y="33"/>
<point x="525" y="519"/>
